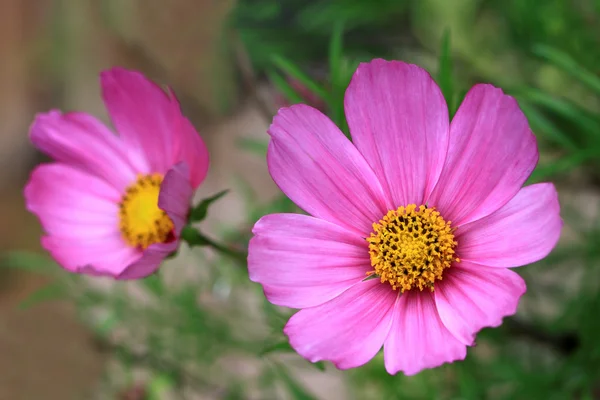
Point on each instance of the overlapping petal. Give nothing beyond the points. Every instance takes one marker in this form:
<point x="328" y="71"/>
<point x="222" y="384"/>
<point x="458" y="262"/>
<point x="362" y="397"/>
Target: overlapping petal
<point x="348" y="330"/>
<point x="80" y="140"/>
<point x="303" y="261"/>
<point x="523" y="231"/>
<point x="491" y="153"/>
<point x="80" y="217"/>
<point x="317" y="167"/>
<point x="142" y="114"/>
<point x="472" y="297"/>
<point x="418" y="338"/>
<point x="399" y="122"/>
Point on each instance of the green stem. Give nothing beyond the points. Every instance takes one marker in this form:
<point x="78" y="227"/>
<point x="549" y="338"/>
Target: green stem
<point x="194" y="238"/>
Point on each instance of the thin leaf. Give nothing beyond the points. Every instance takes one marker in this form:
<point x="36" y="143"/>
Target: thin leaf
<point x="52" y="291"/>
<point x="541" y="124"/>
<point x="294" y="72"/>
<point x="445" y="79"/>
<point x="256" y="146"/>
<point x="335" y="52"/>
<point x="569" y="65"/>
<point x="337" y="78"/>
<point x="27" y="261"/>
<point x="563" y="165"/>
<point x="561" y="107"/>
<point x="282" y="346"/>
<point x="199" y="212"/>
<point x="284" y="88"/>
<point x="154" y="284"/>
<point x="320" y="365"/>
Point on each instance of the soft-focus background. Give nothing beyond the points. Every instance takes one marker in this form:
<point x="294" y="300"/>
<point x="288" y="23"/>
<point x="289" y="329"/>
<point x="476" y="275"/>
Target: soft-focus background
<point x="200" y="330"/>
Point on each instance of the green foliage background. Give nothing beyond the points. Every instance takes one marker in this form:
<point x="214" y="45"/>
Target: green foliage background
<point x="546" y="54"/>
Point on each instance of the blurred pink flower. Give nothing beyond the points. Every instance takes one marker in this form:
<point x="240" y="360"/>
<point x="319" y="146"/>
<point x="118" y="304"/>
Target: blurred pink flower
<point x="115" y="205"/>
<point x="414" y="225"/>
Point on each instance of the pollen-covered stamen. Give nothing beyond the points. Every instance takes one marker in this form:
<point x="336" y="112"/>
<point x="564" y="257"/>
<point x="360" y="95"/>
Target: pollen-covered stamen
<point x="142" y="223"/>
<point x="410" y="248"/>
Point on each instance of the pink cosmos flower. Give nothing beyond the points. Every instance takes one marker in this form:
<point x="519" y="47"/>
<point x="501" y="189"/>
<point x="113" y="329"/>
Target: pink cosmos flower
<point x="115" y="205"/>
<point x="415" y="225"/>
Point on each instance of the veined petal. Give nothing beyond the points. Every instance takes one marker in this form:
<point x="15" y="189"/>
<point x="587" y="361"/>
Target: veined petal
<point x="317" y="167"/>
<point x="472" y="297"/>
<point x="70" y="202"/>
<point x="492" y="152"/>
<point x="79" y="214"/>
<point x="82" y="141"/>
<point x="418" y="338"/>
<point x="348" y="330"/>
<point x="143" y="115"/>
<point x="303" y="261"/>
<point x="398" y="119"/>
<point x="523" y="231"/>
<point x="105" y="255"/>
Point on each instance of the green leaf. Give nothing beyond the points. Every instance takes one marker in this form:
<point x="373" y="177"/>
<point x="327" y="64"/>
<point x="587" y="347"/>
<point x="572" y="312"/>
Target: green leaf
<point x="282" y="346"/>
<point x="52" y="291"/>
<point x="284" y="88"/>
<point x="561" y="107"/>
<point x="569" y="65"/>
<point x="335" y="52"/>
<point x="27" y="261"/>
<point x="337" y="78"/>
<point x="541" y="124"/>
<point x="256" y="146"/>
<point x="200" y="211"/>
<point x="294" y="72"/>
<point x="563" y="165"/>
<point x="192" y="237"/>
<point x="154" y="284"/>
<point x="320" y="365"/>
<point x="445" y="79"/>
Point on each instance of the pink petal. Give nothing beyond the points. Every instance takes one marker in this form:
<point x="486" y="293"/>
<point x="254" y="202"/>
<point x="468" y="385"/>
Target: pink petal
<point x="348" y="330"/>
<point x="188" y="145"/>
<point x="105" y="255"/>
<point x="84" y="142"/>
<point x="142" y="113"/>
<point x="79" y="214"/>
<point x="149" y="262"/>
<point x="71" y="203"/>
<point x="472" y="297"/>
<point x="176" y="195"/>
<point x="418" y="339"/>
<point x="399" y="122"/>
<point x="523" y="231"/>
<point x="303" y="261"/>
<point x="317" y="167"/>
<point x="492" y="152"/>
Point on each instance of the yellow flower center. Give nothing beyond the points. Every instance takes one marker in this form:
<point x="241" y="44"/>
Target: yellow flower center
<point x="142" y="223"/>
<point x="410" y="248"/>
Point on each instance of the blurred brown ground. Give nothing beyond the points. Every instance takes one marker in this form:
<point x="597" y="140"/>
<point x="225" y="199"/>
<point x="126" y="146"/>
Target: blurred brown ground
<point x="51" y="54"/>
